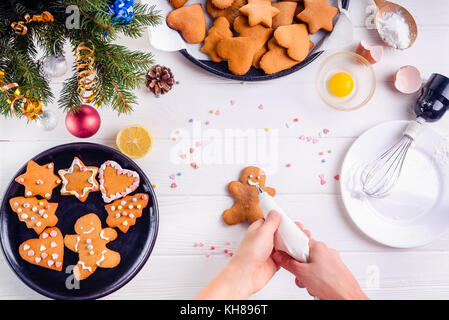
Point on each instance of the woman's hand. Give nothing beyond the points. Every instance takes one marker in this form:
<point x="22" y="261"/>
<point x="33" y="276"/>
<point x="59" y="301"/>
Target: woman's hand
<point x="251" y="266"/>
<point x="325" y="276"/>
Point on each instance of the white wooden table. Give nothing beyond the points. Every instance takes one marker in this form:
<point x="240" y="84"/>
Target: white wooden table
<point x="192" y="212"/>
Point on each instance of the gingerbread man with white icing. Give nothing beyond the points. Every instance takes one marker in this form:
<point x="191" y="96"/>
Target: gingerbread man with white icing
<point x="246" y="206"/>
<point x="90" y="243"/>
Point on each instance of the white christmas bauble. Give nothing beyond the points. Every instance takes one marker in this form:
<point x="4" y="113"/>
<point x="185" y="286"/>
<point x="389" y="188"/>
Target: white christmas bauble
<point x="47" y="121"/>
<point x="55" y="65"/>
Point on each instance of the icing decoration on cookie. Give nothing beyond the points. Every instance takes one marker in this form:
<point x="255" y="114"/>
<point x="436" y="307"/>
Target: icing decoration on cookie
<point x="37" y="214"/>
<point x="246" y="206"/>
<point x="115" y="182"/>
<point x="79" y="180"/>
<point x="130" y="209"/>
<point x="47" y="251"/>
<point x="90" y="243"/>
<point x="39" y="180"/>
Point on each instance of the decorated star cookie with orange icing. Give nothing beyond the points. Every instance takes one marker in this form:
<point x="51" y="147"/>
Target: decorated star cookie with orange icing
<point x="116" y="182"/>
<point x="123" y="213"/>
<point x="39" y="180"/>
<point x="47" y="251"/>
<point x="37" y="214"/>
<point x="79" y="180"/>
<point x="90" y="243"/>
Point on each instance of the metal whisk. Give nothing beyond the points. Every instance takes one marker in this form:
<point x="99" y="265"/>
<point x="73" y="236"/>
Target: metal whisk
<point x="381" y="175"/>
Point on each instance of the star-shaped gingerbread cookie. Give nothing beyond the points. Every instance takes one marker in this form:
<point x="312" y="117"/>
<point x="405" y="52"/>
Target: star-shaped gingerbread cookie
<point x="260" y="12"/>
<point x="318" y="14"/>
<point x="39" y="180"/>
<point x="79" y="180"/>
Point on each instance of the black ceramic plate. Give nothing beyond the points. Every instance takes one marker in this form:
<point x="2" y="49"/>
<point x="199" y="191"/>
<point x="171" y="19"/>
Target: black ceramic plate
<point x="134" y="247"/>
<point x="221" y="68"/>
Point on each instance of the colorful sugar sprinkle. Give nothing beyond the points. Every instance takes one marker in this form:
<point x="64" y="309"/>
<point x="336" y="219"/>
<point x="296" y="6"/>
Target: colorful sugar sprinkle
<point x="260" y="107"/>
<point x="233" y="102"/>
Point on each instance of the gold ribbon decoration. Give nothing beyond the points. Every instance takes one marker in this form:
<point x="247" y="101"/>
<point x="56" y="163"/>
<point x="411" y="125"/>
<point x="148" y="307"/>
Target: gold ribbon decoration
<point x="30" y="108"/>
<point x="88" y="81"/>
<point x="20" y="27"/>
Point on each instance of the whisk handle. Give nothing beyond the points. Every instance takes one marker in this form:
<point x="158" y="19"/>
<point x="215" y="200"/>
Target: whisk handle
<point x="414" y="129"/>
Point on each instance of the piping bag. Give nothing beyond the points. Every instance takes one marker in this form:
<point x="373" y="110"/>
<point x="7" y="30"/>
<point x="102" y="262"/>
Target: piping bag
<point x="289" y="237"/>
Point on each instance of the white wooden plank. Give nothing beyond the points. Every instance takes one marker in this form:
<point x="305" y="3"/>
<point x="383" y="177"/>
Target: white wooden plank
<point x="214" y="173"/>
<point x="400" y="276"/>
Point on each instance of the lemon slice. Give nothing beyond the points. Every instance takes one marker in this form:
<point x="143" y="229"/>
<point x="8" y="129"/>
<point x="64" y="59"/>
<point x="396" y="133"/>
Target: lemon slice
<point x="135" y="141"/>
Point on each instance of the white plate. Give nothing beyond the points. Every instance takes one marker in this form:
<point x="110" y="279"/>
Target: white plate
<point x="417" y="211"/>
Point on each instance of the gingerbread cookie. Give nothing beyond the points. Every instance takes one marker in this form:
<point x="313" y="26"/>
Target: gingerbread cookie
<point x="37" y="214"/>
<point x="246" y="206"/>
<point x="115" y="182"/>
<point x="220" y="30"/>
<point x="178" y="3"/>
<point x="79" y="180"/>
<point x="222" y="4"/>
<point x="190" y="21"/>
<point x="47" y="251"/>
<point x="123" y="213"/>
<point x="259" y="33"/>
<point x="286" y="14"/>
<point x="295" y="39"/>
<point x="39" y="180"/>
<point x="239" y="52"/>
<point x="229" y="13"/>
<point x="259" y="11"/>
<point x="318" y="14"/>
<point x="90" y="243"/>
<point x="277" y="59"/>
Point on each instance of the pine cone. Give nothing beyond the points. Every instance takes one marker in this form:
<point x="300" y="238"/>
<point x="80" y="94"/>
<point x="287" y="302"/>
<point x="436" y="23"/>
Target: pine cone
<point x="160" y="79"/>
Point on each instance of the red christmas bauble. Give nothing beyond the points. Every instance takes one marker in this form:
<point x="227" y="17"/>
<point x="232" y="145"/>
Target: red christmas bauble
<point x="84" y="123"/>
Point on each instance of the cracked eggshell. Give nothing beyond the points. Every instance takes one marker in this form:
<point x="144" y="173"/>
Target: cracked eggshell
<point x="408" y="79"/>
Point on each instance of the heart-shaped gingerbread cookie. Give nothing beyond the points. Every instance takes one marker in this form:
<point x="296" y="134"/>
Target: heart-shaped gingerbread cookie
<point x="116" y="182"/>
<point x="47" y="251"/>
<point x="190" y="21"/>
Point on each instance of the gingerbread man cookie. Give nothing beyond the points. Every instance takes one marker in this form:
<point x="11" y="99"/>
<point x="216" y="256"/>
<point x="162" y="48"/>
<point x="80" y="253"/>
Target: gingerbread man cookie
<point x="123" y="213"/>
<point x="318" y="14"/>
<point x="39" y="180"/>
<point x="115" y="182"/>
<point x="47" y="251"/>
<point x="37" y="214"/>
<point x="220" y="30"/>
<point x="246" y="206"/>
<point x="90" y="243"/>
<point x="79" y="180"/>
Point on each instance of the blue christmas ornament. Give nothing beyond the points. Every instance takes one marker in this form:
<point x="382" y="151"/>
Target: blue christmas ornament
<point x="122" y="10"/>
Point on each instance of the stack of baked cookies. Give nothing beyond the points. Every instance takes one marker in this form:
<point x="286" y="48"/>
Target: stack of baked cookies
<point x="272" y="36"/>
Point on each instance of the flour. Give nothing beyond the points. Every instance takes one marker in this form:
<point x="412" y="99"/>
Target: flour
<point x="441" y="153"/>
<point x="394" y="30"/>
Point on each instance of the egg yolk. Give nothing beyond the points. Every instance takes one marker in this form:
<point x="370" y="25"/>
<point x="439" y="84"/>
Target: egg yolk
<point x="341" y="84"/>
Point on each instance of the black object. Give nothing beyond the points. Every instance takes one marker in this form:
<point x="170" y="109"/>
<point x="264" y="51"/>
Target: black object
<point x="434" y="98"/>
<point x="134" y="247"/>
<point x="221" y="68"/>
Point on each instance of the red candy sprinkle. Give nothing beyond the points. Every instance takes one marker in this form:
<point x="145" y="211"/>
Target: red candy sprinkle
<point x="212" y="247"/>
